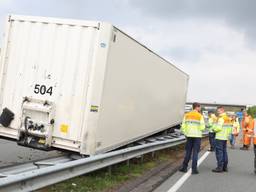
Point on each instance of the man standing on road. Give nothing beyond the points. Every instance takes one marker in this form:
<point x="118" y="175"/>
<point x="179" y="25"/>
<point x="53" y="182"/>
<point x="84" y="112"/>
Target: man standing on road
<point x="192" y="127"/>
<point x="248" y="130"/>
<point x="223" y="130"/>
<point x="254" y="141"/>
<point x="211" y="122"/>
<point x="254" y="148"/>
<point x="239" y="115"/>
<point x="235" y="131"/>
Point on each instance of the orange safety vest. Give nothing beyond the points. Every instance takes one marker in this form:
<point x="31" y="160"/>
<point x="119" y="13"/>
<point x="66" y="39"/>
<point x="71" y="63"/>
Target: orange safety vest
<point x="248" y="125"/>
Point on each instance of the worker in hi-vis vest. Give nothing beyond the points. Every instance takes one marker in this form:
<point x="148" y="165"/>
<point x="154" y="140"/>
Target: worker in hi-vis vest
<point x="223" y="130"/>
<point x="211" y="123"/>
<point x="254" y="148"/>
<point x="235" y="131"/>
<point x="248" y="130"/>
<point x="192" y="127"/>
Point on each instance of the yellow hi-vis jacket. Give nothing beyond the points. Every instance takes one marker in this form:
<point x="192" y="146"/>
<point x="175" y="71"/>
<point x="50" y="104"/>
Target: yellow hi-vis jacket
<point x="223" y="128"/>
<point x="193" y="124"/>
<point x="211" y="124"/>
<point x="236" y="127"/>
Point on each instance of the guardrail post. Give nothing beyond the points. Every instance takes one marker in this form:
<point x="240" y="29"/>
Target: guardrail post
<point x="142" y="159"/>
<point x="128" y="162"/>
<point x="153" y="155"/>
<point x="110" y="170"/>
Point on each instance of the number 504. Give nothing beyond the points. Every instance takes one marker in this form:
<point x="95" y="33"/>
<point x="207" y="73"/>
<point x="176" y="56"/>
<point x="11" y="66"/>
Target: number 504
<point x="42" y="89"/>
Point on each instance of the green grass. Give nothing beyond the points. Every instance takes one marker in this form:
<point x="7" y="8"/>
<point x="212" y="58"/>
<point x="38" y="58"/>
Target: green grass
<point x="103" y="180"/>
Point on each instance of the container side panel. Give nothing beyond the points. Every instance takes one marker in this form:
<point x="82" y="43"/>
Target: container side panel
<point x="57" y="57"/>
<point x="143" y="94"/>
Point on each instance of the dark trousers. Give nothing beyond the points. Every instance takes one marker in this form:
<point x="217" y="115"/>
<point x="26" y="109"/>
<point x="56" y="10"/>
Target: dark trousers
<point x="212" y="140"/>
<point x="254" y="158"/>
<point x="192" y="146"/>
<point x="221" y="153"/>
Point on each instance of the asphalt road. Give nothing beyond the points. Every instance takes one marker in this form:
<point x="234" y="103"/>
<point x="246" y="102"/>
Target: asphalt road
<point x="240" y="177"/>
<point x="11" y="153"/>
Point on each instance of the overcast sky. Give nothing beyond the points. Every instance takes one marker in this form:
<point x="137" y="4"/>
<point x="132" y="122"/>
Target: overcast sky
<point x="214" y="41"/>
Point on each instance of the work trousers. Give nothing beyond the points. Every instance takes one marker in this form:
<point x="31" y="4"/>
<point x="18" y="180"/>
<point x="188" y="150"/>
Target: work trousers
<point x="254" y="158"/>
<point x="212" y="140"/>
<point x="221" y="153"/>
<point x="232" y="139"/>
<point x="192" y="148"/>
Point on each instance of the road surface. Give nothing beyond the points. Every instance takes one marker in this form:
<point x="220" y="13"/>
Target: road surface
<point x="240" y="177"/>
<point x="11" y="153"/>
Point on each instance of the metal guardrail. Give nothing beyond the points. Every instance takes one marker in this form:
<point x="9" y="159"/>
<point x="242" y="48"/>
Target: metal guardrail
<point x="40" y="174"/>
<point x="34" y="165"/>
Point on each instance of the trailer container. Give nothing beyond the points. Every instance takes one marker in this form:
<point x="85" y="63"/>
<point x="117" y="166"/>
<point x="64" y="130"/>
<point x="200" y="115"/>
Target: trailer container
<point x="83" y="86"/>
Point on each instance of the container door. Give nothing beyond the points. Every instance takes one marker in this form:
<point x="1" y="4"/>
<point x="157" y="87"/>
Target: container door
<point x="45" y="80"/>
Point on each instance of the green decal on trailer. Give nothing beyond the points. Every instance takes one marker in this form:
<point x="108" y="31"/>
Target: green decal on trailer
<point x="94" y="108"/>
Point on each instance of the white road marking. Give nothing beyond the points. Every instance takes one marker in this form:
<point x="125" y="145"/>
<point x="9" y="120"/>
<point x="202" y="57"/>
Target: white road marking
<point x="182" y="180"/>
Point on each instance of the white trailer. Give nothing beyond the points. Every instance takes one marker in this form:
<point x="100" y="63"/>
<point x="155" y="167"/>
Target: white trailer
<point x="83" y="86"/>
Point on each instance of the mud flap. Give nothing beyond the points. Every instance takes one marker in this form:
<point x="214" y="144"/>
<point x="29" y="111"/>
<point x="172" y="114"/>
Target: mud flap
<point x="6" y="117"/>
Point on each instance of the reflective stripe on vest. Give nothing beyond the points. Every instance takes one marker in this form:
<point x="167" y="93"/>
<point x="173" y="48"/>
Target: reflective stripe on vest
<point x="226" y="129"/>
<point x="211" y="125"/>
<point x="192" y="123"/>
<point x="193" y="132"/>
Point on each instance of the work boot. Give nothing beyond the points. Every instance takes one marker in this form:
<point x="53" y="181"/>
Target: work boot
<point x="183" y="169"/>
<point x="194" y="172"/>
<point x="217" y="170"/>
<point x="244" y="147"/>
<point x="225" y="169"/>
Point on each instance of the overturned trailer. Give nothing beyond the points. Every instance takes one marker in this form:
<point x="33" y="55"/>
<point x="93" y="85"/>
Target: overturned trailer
<point x="83" y="86"/>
